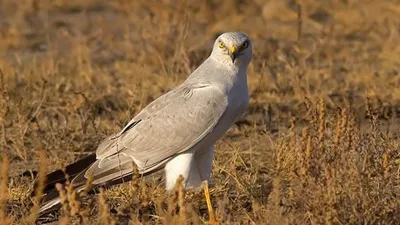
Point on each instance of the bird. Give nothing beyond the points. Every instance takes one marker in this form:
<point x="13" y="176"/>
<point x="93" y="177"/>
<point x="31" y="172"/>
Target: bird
<point x="176" y="132"/>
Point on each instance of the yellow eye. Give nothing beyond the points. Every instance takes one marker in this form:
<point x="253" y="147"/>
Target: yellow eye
<point x="221" y="44"/>
<point x="245" y="44"/>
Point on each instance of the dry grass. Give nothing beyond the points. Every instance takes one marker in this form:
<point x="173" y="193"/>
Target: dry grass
<point x="318" y="145"/>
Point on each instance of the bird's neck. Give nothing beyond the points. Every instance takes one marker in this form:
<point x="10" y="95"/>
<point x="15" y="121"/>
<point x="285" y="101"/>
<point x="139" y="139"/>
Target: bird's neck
<point x="230" y="75"/>
<point x="219" y="73"/>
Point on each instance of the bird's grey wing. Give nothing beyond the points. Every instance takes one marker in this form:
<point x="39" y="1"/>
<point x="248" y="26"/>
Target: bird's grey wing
<point x="171" y="124"/>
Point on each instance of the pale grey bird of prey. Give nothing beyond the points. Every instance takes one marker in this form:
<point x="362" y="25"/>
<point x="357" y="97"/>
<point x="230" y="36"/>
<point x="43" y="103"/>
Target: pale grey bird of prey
<point x="176" y="132"/>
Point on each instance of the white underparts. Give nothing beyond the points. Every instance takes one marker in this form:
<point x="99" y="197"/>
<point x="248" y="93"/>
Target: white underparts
<point x="195" y="167"/>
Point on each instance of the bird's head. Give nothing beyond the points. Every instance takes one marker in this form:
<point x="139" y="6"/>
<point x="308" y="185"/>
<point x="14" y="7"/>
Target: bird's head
<point x="233" y="48"/>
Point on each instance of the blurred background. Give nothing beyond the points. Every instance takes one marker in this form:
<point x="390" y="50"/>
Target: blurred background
<point x="339" y="50"/>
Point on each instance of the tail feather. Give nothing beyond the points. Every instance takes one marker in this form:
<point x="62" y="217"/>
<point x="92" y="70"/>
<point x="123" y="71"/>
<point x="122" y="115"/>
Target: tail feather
<point x="77" y="173"/>
<point x="59" y="176"/>
<point x="52" y="198"/>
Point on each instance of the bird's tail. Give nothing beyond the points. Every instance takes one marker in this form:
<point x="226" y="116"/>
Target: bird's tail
<point x="52" y="198"/>
<point x="72" y="170"/>
<point x="76" y="174"/>
<point x="117" y="170"/>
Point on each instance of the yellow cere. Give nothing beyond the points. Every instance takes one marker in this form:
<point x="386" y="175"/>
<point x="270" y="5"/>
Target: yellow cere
<point x="233" y="48"/>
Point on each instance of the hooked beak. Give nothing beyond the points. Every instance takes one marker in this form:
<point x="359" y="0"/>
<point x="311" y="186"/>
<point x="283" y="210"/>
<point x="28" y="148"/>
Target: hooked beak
<point x="234" y="53"/>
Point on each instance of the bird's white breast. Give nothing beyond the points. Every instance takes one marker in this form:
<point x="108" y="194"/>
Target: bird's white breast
<point x="238" y="101"/>
<point x="184" y="164"/>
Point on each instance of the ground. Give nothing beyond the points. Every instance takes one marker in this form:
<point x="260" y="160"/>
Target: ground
<point x="319" y="143"/>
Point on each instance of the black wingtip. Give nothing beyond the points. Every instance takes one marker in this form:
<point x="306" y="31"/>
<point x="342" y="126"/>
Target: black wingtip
<point x="59" y="176"/>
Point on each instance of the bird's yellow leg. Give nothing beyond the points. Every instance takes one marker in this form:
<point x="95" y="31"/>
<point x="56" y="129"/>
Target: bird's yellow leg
<point x="208" y="200"/>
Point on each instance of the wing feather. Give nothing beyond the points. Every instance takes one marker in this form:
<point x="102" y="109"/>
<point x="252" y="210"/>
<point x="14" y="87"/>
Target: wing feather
<point x="171" y="124"/>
